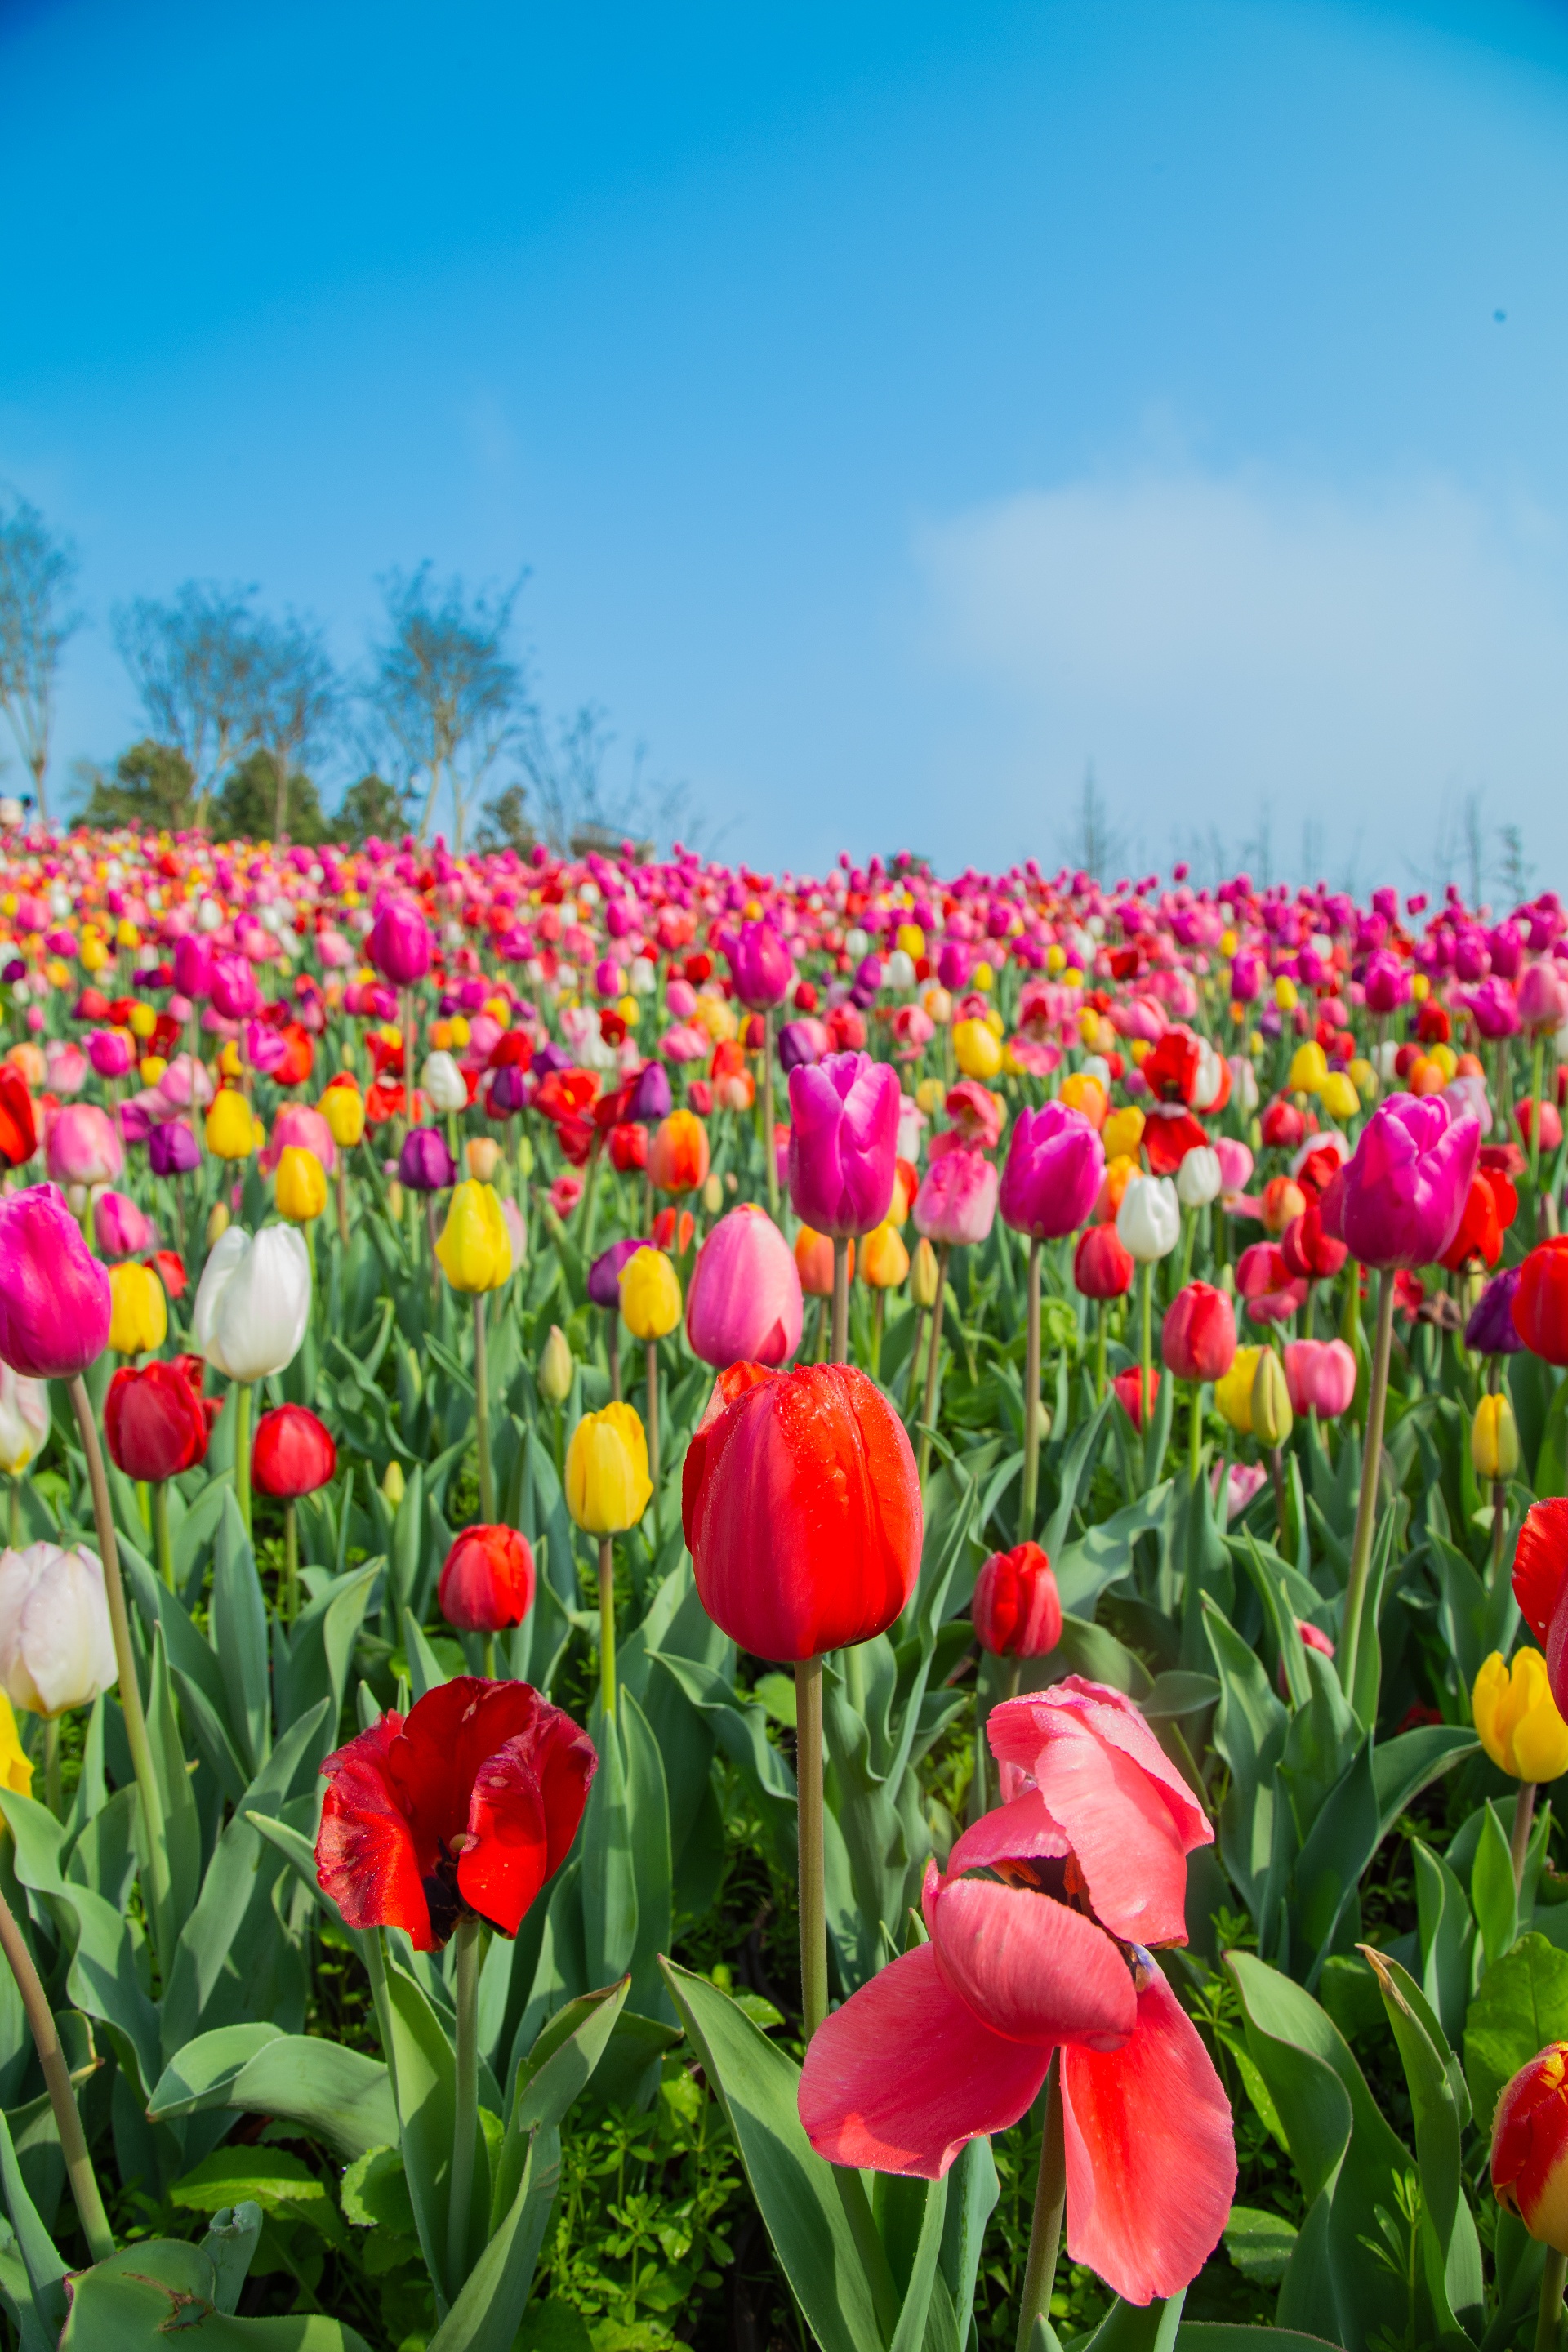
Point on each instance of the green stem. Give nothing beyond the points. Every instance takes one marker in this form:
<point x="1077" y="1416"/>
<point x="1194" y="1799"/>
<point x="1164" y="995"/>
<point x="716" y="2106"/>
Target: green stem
<point x="242" y="1450"/>
<point x="651" y="1432"/>
<point x="808" y="1815"/>
<point x="933" y="1363"/>
<point x="1050" y="2198"/>
<point x="1100" y="1354"/>
<point x="1196" y="1436"/>
<point x="15" y="1533"/>
<point x="466" y="2100"/>
<point x="290" y="1564"/>
<point x="769" y="1157"/>
<point x="57" y="2082"/>
<point x="482" y="1414"/>
<point x="1519" y="1845"/>
<point x="161" y="1536"/>
<point x="1366" y="1509"/>
<point x="840" y="1298"/>
<point x="52" y="1796"/>
<point x="591" y="1202"/>
<point x="1552" y="2280"/>
<point x="607" y="1624"/>
<point x="1031" y="1397"/>
<point x="1537" y="1057"/>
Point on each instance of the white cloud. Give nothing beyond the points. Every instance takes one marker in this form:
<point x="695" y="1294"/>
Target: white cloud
<point x="1218" y="642"/>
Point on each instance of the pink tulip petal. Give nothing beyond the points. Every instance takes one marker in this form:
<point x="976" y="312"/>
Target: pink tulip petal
<point x="1121" y="1831"/>
<point x="1020" y="1727"/>
<point x="1151" y="2153"/>
<point x="1012" y="1833"/>
<point x="905" y="2072"/>
<point x="1034" y="1968"/>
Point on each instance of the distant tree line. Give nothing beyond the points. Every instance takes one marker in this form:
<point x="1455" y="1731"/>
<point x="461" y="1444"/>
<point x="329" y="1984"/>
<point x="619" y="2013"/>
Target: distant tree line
<point x="241" y="710"/>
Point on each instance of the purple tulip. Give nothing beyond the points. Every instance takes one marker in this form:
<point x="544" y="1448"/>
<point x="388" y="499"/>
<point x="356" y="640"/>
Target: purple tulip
<point x="54" y="1294"/>
<point x="1056" y="1164"/>
<point x="651" y="1098"/>
<point x="172" y="1149"/>
<point x="193" y="966"/>
<point x="743" y="1304"/>
<point x="1387" y="982"/>
<point x="1490" y="1329"/>
<point x="763" y="966"/>
<point x="1405" y="1185"/>
<point x="800" y="1042"/>
<point x="399" y="944"/>
<point x="842" y="1143"/>
<point x="604" y="1273"/>
<point x="1496" y="1009"/>
<point x="550" y="1056"/>
<point x="867" y="979"/>
<point x="1246" y="975"/>
<point x="425" y="1164"/>
<point x="507" y="1091"/>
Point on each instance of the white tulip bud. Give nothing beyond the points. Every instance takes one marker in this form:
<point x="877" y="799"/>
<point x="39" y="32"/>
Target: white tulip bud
<point x="1150" y="1218"/>
<point x="56" y="1647"/>
<point x="23" y="1419"/>
<point x="1198" y="1177"/>
<point x="443" y="1082"/>
<point x="253" y="1302"/>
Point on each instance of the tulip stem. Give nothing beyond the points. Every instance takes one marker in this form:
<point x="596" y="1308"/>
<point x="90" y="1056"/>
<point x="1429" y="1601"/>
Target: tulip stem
<point x="1371" y="1468"/>
<point x="1099" y="1355"/>
<point x="161" y="1538"/>
<point x="242" y="1450"/>
<point x="342" y="1191"/>
<point x="1031" y="1396"/>
<point x="651" y="1401"/>
<point x="1552" y="2280"/>
<point x="933" y="1363"/>
<point x="1050" y="2198"/>
<point x="1519" y="1845"/>
<point x="1196" y="1436"/>
<point x="769" y="1156"/>
<point x="840" y="1298"/>
<point x="466" y="2099"/>
<point x="57" y="2082"/>
<point x="157" y="1845"/>
<point x="616" y="1356"/>
<point x="1537" y="1054"/>
<point x="482" y="1414"/>
<point x="608" y="1625"/>
<point x="290" y="1564"/>
<point x="808" y="1817"/>
<point x="52" y="1764"/>
<point x="1146" y="1362"/>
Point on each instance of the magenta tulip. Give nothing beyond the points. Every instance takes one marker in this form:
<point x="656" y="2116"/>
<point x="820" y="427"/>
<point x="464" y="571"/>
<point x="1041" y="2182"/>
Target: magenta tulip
<point x="54" y="1294"/>
<point x="120" y="1229"/>
<point x="111" y="1052"/>
<point x="843" y="1142"/>
<point x="763" y="966"/>
<point x="1056" y="1164"/>
<point x="235" y="995"/>
<point x="1496" y="1009"/>
<point x="83" y="1146"/>
<point x="743" y="1304"/>
<point x="1320" y="1375"/>
<point x="1542" y="999"/>
<point x="1405" y="1185"/>
<point x="193" y="966"/>
<point x="957" y="1199"/>
<point x="399" y="944"/>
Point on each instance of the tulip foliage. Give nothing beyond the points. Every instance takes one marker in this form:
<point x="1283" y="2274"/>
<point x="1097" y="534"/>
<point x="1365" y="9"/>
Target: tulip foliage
<point x="819" y="1612"/>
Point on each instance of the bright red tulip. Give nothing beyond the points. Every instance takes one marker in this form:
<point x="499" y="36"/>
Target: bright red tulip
<point x="292" y="1453"/>
<point x="18" y="1125"/>
<point x="1102" y="1265"/>
<point x="802" y="1510"/>
<point x="1309" y="1252"/>
<point x="1170" y="1071"/>
<point x="1530" y="2147"/>
<point x="1283" y="1126"/>
<point x="488" y="1581"/>
<point x="1017" y="1610"/>
<point x="1199" y="1342"/>
<point x="1541" y="1302"/>
<point x="1539" y="1579"/>
<point x="468" y="1805"/>
<point x="153" y="1421"/>
<point x="1490" y="1207"/>
<point x="1169" y="1136"/>
<point x="1128" y="1386"/>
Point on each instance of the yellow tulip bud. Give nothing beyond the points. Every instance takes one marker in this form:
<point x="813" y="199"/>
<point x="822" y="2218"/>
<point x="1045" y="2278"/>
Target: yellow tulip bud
<point x="138" y="1311"/>
<point x="713" y="1192"/>
<point x="394" y="1201"/>
<point x="1338" y="1096"/>
<point x="217" y="1222"/>
<point x="1229" y="943"/>
<point x="1285" y="995"/>
<point x="394" y="1486"/>
<point x="230" y="1127"/>
<point x="94" y="954"/>
<point x="984" y="978"/>
<point x="1420" y="987"/>
<point x="607" y="1484"/>
<point x="1517" y="1721"/>
<point x="1365" y="1077"/>
<point x="554" y="1375"/>
<point x="923" y="1287"/>
<point x="1072" y="977"/>
<point x="650" y="1294"/>
<point x="1081" y="1090"/>
<point x="228" y="1062"/>
<point x="126" y="934"/>
<point x="930" y="1095"/>
<point x="342" y="1108"/>
<point x="300" y="1184"/>
<point x="474" y="1248"/>
<point x="16" y="1771"/>
<point x="912" y="939"/>
<point x="1494" y="1438"/>
<point x="1448" y="1061"/>
<point x="1233" y="1394"/>
<point x="1055" y="959"/>
<point x="884" y="1260"/>
<point x="976" y="1050"/>
<point x="153" y="1067"/>
<point x="143" y="1021"/>
<point x="1123" y="1133"/>
<point x="1272" y="1418"/>
<point x="1309" y="1068"/>
<point x="483" y="1155"/>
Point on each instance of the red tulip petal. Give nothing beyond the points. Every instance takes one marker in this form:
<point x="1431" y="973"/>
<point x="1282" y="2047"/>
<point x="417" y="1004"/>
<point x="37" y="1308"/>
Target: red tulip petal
<point x="1151" y="2153"/>
<point x="365" y="1854"/>
<point x="503" y="1865"/>
<point x="1018" y="1831"/>
<point x="1121" y="1832"/>
<point x="1541" y="1564"/>
<point x="905" y="2072"/>
<point x="1033" y="1969"/>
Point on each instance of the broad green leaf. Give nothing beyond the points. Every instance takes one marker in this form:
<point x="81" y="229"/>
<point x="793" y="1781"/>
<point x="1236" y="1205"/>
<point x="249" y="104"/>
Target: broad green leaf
<point x="159" y="2290"/>
<point x="1440" y="2104"/>
<point x="1448" y="1937"/>
<point x="1250" y="1724"/>
<point x="268" y="2177"/>
<point x="233" y="2235"/>
<point x="337" y="2095"/>
<point x="375" y="2193"/>
<point x="1214" y="2336"/>
<point x="423" y="2085"/>
<point x="43" y="2265"/>
<point x="239" y="1638"/>
<point x="648" y="1806"/>
<point x="1492" y="1893"/>
<point x="609" y="1881"/>
<point x="1521" y="2005"/>
<point x="1259" y="2244"/>
<point x="485" y="2316"/>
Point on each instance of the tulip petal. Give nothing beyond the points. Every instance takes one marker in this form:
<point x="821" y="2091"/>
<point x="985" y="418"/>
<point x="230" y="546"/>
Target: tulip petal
<point x="905" y="2072"/>
<point x="1019" y="1832"/>
<point x="1033" y="1967"/>
<point x="366" y="1855"/>
<point x="1541" y="1565"/>
<point x="1121" y="1831"/>
<point x="1151" y="2153"/>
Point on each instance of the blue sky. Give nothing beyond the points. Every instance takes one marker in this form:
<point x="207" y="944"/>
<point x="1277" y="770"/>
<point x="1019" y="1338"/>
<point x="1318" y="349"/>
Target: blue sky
<point x="897" y="408"/>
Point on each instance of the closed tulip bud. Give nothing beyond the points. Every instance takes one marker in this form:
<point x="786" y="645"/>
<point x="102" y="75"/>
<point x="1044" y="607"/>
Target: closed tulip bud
<point x="743" y="1302"/>
<point x="154" y="1422"/>
<point x="23" y="1419"/>
<point x="301" y="1185"/>
<point x="650" y="1294"/>
<point x="1198" y="1340"/>
<point x="1272" y="1418"/>
<point x="292" y="1454"/>
<point x="977" y="1049"/>
<point x="443" y="1083"/>
<point x="678" y="1156"/>
<point x="1517" y="1721"/>
<point x="488" y="1582"/>
<point x="1494" y="1441"/>
<point x="814" y="1263"/>
<point x="1320" y="1375"/>
<point x="230" y="1128"/>
<point x="1338" y="1096"/>
<point x="1017" y="1610"/>
<point x="138" y="1312"/>
<point x="1148" y="1222"/>
<point x="843" y="1142"/>
<point x="253" y="1302"/>
<point x="712" y="1194"/>
<point x="1233" y="1394"/>
<point x="884" y="1260"/>
<point x="57" y="1648"/>
<point x="1199" y="1178"/>
<point x="474" y="1248"/>
<point x="1309" y="1068"/>
<point x="394" y="1484"/>
<point x="342" y="1108"/>
<point x="218" y="1222"/>
<point x="394" y="1201"/>
<point x="482" y="1153"/>
<point x="555" y="1374"/>
<point x="608" y="1482"/>
<point x="55" y="1299"/>
<point x="1530" y="2147"/>
<point x="924" y="1275"/>
<point x="1054" y="1163"/>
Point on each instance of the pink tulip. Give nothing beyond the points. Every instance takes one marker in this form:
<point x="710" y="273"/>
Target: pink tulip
<point x="957" y="1199"/>
<point x="399" y="944"/>
<point x="1320" y="1375"/>
<point x="120" y="1229"/>
<point x="955" y="2038"/>
<point x="743" y="1304"/>
<point x="1236" y="1164"/>
<point x="235" y="995"/>
<point x="297" y="1123"/>
<point x="844" y="1134"/>
<point x="84" y="1147"/>
<point x="1542" y="999"/>
<point x="111" y="1052"/>
<point x="66" y="1069"/>
<point x="1244" y="1480"/>
<point x="1055" y="1164"/>
<point x="54" y="1294"/>
<point x="1406" y="1186"/>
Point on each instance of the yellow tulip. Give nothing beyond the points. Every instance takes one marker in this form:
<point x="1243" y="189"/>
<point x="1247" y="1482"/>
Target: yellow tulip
<point x="143" y="1021"/>
<point x="228" y="1061"/>
<point x="1309" y="1068"/>
<point x="217" y="1222"/>
<point x="15" y="1772"/>
<point x="930" y="1096"/>
<point x="922" y="1289"/>
<point x="554" y="1375"/>
<point x="912" y="940"/>
<point x="342" y="1108"/>
<point x="1233" y="1394"/>
<point x="302" y="1184"/>
<point x="1123" y="1133"/>
<point x="1338" y="1095"/>
<point x="1494" y="1438"/>
<point x="607" y="1485"/>
<point x="394" y="1484"/>
<point x="475" y="1249"/>
<point x="1517" y="1721"/>
<point x="976" y="1049"/>
<point x="884" y="1260"/>
<point x="230" y="1129"/>
<point x="138" y="1311"/>
<point x="1285" y="995"/>
<point x="650" y="1294"/>
<point x="152" y="1066"/>
<point x="1081" y="1090"/>
<point x="1448" y="1061"/>
<point x="1272" y="1418"/>
<point x="1363" y="1076"/>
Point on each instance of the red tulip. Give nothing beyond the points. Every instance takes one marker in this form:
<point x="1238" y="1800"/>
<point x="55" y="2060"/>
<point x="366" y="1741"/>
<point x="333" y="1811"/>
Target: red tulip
<point x="1541" y="1302"/>
<point x="1128" y="1386"/>
<point x="1491" y="1206"/>
<point x="1539" y="1577"/>
<point x="153" y="1421"/>
<point x="18" y="1125"/>
<point x="629" y="1147"/>
<point x="466" y="1805"/>
<point x="1199" y="1342"/>
<point x="1102" y="1265"/>
<point x="487" y="1583"/>
<point x="1530" y="2145"/>
<point x="1283" y="1125"/>
<point x="292" y="1453"/>
<point x="802" y="1511"/>
<point x="1017" y="1610"/>
<point x="1311" y="1253"/>
<point x="1170" y="1071"/>
<point x="1169" y="1136"/>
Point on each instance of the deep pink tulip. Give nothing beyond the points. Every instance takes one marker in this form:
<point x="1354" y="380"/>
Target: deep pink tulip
<point x="297" y="1123"/>
<point x="1405" y="1185"/>
<point x="54" y="1294"/>
<point x="763" y="966"/>
<point x="83" y="1146"/>
<point x="1387" y="982"/>
<point x="235" y="995"/>
<point x="957" y="1199"/>
<point x="843" y="1142"/>
<point x="120" y="1229"/>
<point x="1320" y="1376"/>
<point x="399" y="944"/>
<point x="1056" y="1164"/>
<point x="193" y="966"/>
<point x="111" y="1052"/>
<point x="743" y="1304"/>
<point x="1496" y="1009"/>
<point x="955" y="2038"/>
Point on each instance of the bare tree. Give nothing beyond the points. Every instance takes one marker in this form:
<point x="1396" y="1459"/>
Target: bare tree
<point x="577" y="801"/>
<point x="197" y="663"/>
<point x="1093" y="845"/>
<point x="296" y="701"/>
<point x="445" y="692"/>
<point x="37" y="571"/>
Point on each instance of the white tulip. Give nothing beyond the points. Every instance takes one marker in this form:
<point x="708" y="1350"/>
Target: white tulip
<point x="1383" y="1060"/>
<point x="642" y="978"/>
<point x="1243" y="1084"/>
<point x="1210" y="1078"/>
<point x="899" y="972"/>
<point x="23" y="1419"/>
<point x="1198" y="1177"/>
<point x="253" y="1302"/>
<point x="56" y="1647"/>
<point x="443" y="1082"/>
<point x="1150" y="1218"/>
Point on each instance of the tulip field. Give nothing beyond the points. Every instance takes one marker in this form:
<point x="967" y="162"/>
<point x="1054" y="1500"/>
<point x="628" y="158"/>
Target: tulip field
<point x="777" y="1612"/>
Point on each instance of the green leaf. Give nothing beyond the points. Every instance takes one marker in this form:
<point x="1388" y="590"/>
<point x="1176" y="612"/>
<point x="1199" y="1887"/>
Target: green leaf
<point x="268" y="2177"/>
<point x="1492" y="1894"/>
<point x="41" y="2259"/>
<point x="375" y="2193"/>
<point x="1451" y="2250"/>
<point x="1259" y="2244"/>
<point x="555" y="2071"/>
<point x="1448" y="1937"/>
<point x="1521" y="2005"/>
<point x="1214" y="2336"/>
<point x="339" y="2096"/>
<point x="423" y="2085"/>
<point x="239" y="1638"/>
<point x="159" y="2290"/>
<point x="1250" y="1724"/>
<point x="230" y="2245"/>
<point x="609" y="1875"/>
<point x="485" y="2316"/>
